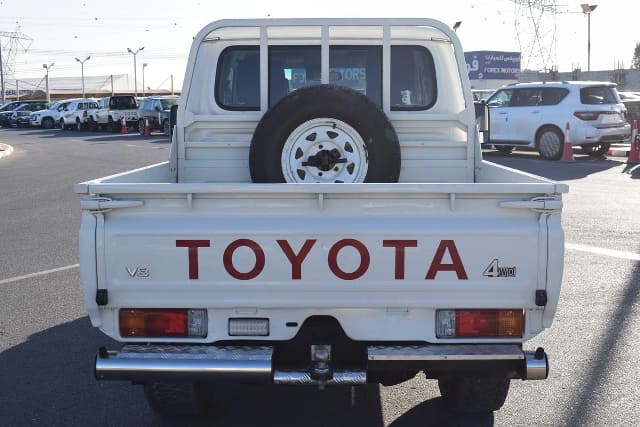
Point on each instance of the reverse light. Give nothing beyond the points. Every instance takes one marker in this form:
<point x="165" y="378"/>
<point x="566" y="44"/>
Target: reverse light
<point x="480" y="323"/>
<point x="587" y="115"/>
<point x="241" y="326"/>
<point x="159" y="323"/>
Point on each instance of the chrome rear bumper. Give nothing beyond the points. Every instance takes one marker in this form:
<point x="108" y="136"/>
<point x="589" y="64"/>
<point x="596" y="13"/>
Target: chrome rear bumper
<point x="254" y="363"/>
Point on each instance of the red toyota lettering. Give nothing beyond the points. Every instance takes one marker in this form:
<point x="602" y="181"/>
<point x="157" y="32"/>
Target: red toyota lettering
<point x="193" y="246"/>
<point x="456" y="262"/>
<point x="296" y="259"/>
<point x="228" y="259"/>
<point x="400" y="245"/>
<point x="364" y="259"/>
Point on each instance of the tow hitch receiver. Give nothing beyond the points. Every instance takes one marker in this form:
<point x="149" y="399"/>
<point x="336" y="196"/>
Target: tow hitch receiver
<point x="321" y="369"/>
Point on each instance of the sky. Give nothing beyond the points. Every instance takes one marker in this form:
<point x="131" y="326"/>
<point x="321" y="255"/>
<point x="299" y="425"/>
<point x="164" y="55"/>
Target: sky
<point x="104" y="29"/>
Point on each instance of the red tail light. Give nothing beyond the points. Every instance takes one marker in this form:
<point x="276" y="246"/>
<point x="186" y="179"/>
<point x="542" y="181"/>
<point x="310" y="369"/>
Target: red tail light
<point x="84" y="113"/>
<point x="480" y="323"/>
<point x="163" y="322"/>
<point x="587" y="115"/>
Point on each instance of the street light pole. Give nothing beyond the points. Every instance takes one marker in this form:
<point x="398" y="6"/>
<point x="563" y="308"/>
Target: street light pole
<point x="135" y="69"/>
<point x="82" y="66"/>
<point x="143" y="86"/>
<point x="48" y="67"/>
<point x="587" y="9"/>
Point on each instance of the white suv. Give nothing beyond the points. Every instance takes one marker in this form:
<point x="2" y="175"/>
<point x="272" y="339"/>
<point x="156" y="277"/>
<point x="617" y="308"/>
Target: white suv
<point x="536" y="114"/>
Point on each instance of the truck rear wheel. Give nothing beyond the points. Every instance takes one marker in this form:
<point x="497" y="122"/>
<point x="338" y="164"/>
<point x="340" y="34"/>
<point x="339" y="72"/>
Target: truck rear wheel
<point x="474" y="394"/>
<point x="324" y="133"/>
<point x="179" y="398"/>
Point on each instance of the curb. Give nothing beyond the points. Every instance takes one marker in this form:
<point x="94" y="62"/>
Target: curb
<point x="5" y="150"/>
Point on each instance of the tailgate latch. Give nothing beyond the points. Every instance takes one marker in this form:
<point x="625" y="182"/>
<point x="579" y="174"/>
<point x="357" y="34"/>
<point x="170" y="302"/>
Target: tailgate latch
<point x="105" y="204"/>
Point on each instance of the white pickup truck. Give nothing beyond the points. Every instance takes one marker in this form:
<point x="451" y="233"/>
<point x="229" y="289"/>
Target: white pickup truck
<point x="325" y="217"/>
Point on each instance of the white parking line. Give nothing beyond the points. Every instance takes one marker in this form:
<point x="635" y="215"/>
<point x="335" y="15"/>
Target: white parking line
<point x="39" y="273"/>
<point x="602" y="251"/>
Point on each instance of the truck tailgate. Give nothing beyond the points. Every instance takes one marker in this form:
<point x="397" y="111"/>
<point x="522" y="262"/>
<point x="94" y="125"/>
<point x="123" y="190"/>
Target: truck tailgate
<point x="359" y="246"/>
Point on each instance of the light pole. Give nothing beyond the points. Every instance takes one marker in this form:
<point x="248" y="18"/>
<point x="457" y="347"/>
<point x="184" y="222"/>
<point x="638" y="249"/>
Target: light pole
<point x="587" y="9"/>
<point x="143" y="87"/>
<point x="82" y="66"/>
<point x="457" y="25"/>
<point x="135" y="69"/>
<point x="48" y="67"/>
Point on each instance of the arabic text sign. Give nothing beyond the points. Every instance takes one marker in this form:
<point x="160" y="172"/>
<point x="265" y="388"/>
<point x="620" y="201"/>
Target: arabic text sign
<point x="486" y="64"/>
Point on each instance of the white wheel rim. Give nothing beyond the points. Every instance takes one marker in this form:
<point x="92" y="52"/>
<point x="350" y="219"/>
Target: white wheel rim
<point x="327" y="139"/>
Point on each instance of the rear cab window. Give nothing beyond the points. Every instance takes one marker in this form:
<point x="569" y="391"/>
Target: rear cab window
<point x="413" y="79"/>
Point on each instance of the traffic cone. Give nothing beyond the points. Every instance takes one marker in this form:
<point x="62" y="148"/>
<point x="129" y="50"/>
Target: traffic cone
<point x="634" y="155"/>
<point x="147" y="129"/>
<point x="123" y="127"/>
<point x="567" y="149"/>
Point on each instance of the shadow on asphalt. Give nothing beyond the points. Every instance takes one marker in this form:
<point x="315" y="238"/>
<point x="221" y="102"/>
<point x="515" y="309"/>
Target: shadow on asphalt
<point x="587" y="400"/>
<point x="555" y="170"/>
<point x="48" y="380"/>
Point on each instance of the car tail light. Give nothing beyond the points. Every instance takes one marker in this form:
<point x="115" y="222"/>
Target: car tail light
<point x="587" y="115"/>
<point x="84" y="113"/>
<point x="168" y="322"/>
<point x="480" y="323"/>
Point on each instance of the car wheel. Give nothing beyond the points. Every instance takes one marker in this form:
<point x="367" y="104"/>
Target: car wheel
<point x="550" y="143"/>
<point x="47" y="123"/>
<point x="506" y="149"/>
<point x="166" y="128"/>
<point x="141" y="127"/>
<point x="324" y="133"/>
<point x="180" y="398"/>
<point x="595" y="150"/>
<point x="474" y="394"/>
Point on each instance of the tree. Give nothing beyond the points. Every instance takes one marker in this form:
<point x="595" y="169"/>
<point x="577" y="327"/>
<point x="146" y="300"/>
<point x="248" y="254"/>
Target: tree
<point x="635" y="62"/>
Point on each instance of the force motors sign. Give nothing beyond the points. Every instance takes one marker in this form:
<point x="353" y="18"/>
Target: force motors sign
<point x="485" y="64"/>
<point x="445" y="258"/>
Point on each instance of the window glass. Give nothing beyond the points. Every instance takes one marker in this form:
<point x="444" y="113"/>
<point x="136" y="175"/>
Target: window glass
<point x="525" y="97"/>
<point x="290" y="68"/>
<point x="359" y="68"/>
<point x="168" y="103"/>
<point x="238" y="78"/>
<point x="413" y="78"/>
<point x="500" y="99"/>
<point x="552" y="95"/>
<point x="598" y="95"/>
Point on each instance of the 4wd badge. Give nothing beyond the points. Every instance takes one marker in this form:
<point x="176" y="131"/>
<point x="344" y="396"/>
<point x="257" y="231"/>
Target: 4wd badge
<point x="496" y="270"/>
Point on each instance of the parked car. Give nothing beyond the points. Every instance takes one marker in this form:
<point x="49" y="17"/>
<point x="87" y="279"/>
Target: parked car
<point x="79" y="115"/>
<point x="48" y="118"/>
<point x="629" y="95"/>
<point x="535" y="115"/>
<point x="157" y="110"/>
<point x="114" y="108"/>
<point x="9" y="108"/>
<point x="21" y="117"/>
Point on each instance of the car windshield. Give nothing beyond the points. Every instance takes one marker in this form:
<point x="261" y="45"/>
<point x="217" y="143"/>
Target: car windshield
<point x="168" y="103"/>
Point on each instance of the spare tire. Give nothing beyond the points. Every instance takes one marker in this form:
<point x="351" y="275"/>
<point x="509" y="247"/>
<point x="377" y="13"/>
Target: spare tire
<point x="324" y="133"/>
